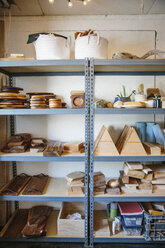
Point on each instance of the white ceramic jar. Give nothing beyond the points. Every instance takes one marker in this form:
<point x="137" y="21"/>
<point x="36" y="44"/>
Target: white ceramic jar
<point x="91" y="46"/>
<point x="50" y="46"/>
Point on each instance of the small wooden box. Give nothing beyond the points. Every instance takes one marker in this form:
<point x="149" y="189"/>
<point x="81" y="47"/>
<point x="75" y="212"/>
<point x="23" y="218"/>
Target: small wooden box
<point x="67" y="227"/>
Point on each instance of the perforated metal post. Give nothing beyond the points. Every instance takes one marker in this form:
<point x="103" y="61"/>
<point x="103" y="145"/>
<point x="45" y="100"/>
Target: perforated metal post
<point x="91" y="148"/>
<point x="87" y="138"/>
<point x="12" y="132"/>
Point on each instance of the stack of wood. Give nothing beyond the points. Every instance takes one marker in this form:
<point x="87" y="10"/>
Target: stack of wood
<point x="46" y="95"/>
<point x="153" y="148"/>
<point x="38" y="102"/>
<point x="10" y="97"/>
<point x="99" y="183"/>
<point x="53" y="149"/>
<point x="74" y="147"/>
<point x="158" y="182"/>
<point x="55" y="103"/>
<point x="75" y="182"/>
<point x="129" y="144"/>
<point x="18" y="143"/>
<point x="26" y="185"/>
<point x="78" y="99"/>
<point x="136" y="178"/>
<point x="38" y="145"/>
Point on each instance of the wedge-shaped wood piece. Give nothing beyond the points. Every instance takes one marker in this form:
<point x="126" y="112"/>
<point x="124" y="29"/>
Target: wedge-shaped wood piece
<point x="153" y="148"/>
<point x="129" y="143"/>
<point x="73" y="147"/>
<point x="15" y="186"/>
<point x="75" y="177"/>
<point x="104" y="145"/>
<point x="133" y="173"/>
<point x="36" y="185"/>
<point x="15" y="225"/>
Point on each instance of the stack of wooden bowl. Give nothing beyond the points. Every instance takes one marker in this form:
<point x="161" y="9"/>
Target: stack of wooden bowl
<point x="55" y="103"/>
<point x="10" y="98"/>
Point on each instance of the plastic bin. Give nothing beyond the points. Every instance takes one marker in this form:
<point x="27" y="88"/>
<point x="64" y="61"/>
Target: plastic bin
<point x="131" y="230"/>
<point x="154" y="227"/>
<point x="133" y="220"/>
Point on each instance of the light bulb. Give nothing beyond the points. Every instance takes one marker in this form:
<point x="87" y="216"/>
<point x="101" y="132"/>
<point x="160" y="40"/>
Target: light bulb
<point x="70" y="4"/>
<point x="51" y="1"/>
<point x="88" y="0"/>
<point x="84" y="2"/>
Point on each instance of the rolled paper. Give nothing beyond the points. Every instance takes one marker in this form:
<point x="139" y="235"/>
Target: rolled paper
<point x="141" y="130"/>
<point x="150" y="136"/>
<point x="158" y="134"/>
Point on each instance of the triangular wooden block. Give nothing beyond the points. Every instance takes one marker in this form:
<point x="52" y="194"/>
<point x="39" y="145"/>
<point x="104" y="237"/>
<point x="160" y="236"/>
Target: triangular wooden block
<point x="132" y="145"/>
<point x="104" y="145"/>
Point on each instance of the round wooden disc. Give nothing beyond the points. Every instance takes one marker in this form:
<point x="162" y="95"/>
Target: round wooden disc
<point x="78" y="101"/>
<point x="11" y="103"/>
<point x="8" y="94"/>
<point x="32" y="107"/>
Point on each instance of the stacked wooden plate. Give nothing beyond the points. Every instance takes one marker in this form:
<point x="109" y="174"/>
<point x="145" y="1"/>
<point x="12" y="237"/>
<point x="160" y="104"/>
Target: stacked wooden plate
<point x="55" y="103"/>
<point x="10" y="98"/>
<point x="40" y="99"/>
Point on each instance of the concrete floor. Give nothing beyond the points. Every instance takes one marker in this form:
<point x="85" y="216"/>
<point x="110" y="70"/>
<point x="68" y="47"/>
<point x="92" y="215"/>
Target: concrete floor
<point x="71" y="245"/>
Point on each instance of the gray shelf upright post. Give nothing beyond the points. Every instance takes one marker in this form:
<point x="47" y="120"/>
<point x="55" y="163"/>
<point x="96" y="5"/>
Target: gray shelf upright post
<point x="12" y="132"/>
<point x="91" y="207"/>
<point x="87" y="144"/>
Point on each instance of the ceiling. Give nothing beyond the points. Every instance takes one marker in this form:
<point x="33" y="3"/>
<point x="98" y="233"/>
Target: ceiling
<point x="94" y="7"/>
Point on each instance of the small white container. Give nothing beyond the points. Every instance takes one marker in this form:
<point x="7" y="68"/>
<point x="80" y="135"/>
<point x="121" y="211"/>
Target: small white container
<point x="149" y="103"/>
<point x="49" y="46"/>
<point x="140" y="98"/>
<point x="91" y="46"/>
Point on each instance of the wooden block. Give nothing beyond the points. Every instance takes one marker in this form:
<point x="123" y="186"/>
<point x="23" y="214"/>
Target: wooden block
<point x="145" y="186"/>
<point x="53" y="149"/>
<point x="124" y="178"/>
<point x="129" y="143"/>
<point x="158" y="188"/>
<point x="75" y="191"/>
<point x="133" y="173"/>
<point x="77" y="99"/>
<point x="137" y="191"/>
<point x="152" y="148"/>
<point x="134" y="165"/>
<point x="148" y="173"/>
<point x="159" y="174"/>
<point x="159" y="181"/>
<point x="113" y="191"/>
<point x="75" y="176"/>
<point x="104" y="145"/>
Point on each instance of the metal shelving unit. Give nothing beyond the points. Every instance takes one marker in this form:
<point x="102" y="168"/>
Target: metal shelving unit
<point x="49" y="68"/>
<point x="120" y="68"/>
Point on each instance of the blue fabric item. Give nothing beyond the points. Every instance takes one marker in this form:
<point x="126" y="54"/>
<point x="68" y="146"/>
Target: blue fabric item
<point x="141" y="130"/>
<point x="150" y="137"/>
<point x="158" y="134"/>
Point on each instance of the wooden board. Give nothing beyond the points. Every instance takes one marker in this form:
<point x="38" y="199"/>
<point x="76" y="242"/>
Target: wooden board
<point x="104" y="145"/>
<point x="158" y="174"/>
<point x="3" y="124"/>
<point x="133" y="173"/>
<point x="101" y="225"/>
